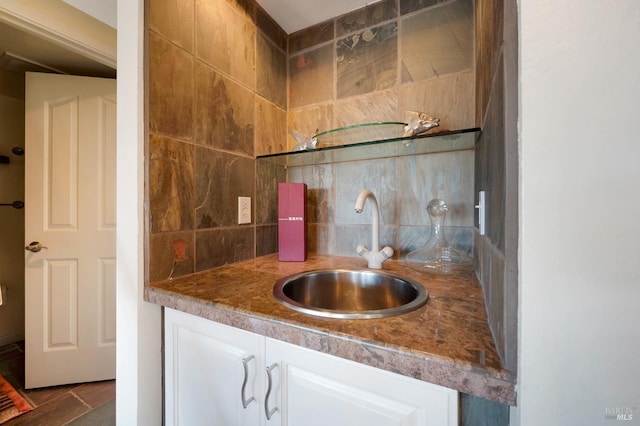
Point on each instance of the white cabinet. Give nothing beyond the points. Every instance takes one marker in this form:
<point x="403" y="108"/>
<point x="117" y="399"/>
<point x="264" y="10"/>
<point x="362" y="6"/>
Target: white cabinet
<point x="315" y="389"/>
<point x="290" y="385"/>
<point x="205" y="373"/>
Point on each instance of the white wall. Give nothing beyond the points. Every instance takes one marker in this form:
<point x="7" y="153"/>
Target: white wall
<point x="103" y="10"/>
<point x="580" y="211"/>
<point x="138" y="356"/>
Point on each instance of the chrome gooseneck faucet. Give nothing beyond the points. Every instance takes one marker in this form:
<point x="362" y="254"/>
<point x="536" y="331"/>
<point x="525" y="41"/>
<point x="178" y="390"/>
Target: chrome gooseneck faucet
<point x="375" y="256"/>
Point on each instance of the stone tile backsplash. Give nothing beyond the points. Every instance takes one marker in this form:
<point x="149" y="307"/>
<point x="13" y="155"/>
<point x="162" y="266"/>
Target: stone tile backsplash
<point x="386" y="61"/>
<point x="227" y="123"/>
<point x="268" y="175"/>
<point x="217" y="247"/>
<point x="367" y="61"/>
<point x="226" y="39"/>
<point x="170" y="89"/>
<point x="271" y="78"/>
<point x="220" y="179"/>
<point x="403" y="187"/>
<point x="172" y="254"/>
<point x="270" y="28"/>
<point x="217" y="97"/>
<point x="312" y="36"/>
<point x="359" y="19"/>
<point x="271" y="128"/>
<point x="380" y="176"/>
<point x="448" y="176"/>
<point x="437" y="41"/>
<point x="311" y="77"/>
<point x="446" y="96"/>
<point x="174" y="20"/>
<point x="227" y="90"/>
<point x="496" y="171"/>
<point x="370" y="108"/>
<point x="171" y="184"/>
<point x="408" y="6"/>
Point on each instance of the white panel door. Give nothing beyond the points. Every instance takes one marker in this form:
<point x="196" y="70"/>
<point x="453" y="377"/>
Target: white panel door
<point x="314" y="389"/>
<point x="214" y="374"/>
<point x="70" y="143"/>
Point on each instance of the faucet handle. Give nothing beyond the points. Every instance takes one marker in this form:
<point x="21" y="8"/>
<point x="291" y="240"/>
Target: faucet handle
<point x="387" y="252"/>
<point x="375" y="258"/>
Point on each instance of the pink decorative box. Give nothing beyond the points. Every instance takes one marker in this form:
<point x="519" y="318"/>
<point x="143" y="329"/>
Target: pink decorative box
<point x="292" y="222"/>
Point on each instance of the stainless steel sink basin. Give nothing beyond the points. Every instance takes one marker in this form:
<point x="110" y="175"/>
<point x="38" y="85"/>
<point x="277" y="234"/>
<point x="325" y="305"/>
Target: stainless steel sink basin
<point x="350" y="294"/>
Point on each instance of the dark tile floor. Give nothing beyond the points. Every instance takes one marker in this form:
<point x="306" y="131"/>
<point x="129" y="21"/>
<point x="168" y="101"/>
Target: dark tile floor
<point x="91" y="404"/>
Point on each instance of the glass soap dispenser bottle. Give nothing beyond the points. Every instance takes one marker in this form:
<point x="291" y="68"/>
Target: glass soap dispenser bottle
<point x="438" y="256"/>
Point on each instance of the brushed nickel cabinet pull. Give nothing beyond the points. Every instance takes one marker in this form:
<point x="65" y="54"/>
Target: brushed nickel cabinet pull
<point x="267" y="411"/>
<point x="245" y="401"/>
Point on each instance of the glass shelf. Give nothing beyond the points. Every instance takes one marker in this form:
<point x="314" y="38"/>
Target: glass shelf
<point x="359" y="133"/>
<point x="391" y="146"/>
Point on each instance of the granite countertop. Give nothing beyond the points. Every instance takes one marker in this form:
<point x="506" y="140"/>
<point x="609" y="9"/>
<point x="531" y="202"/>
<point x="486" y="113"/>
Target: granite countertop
<point x="446" y="342"/>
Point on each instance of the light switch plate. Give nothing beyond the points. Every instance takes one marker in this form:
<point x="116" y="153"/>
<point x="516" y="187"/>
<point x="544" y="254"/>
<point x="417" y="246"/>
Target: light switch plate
<point x="481" y="206"/>
<point x="244" y="210"/>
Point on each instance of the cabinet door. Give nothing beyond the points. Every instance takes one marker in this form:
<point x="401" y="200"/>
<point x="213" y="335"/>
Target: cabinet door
<point x="315" y="389"/>
<point x="205" y="372"/>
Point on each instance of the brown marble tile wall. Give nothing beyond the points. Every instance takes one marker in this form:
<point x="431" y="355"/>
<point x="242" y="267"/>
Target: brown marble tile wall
<point x="271" y="29"/>
<point x="311" y="77"/>
<point x="170" y="89"/>
<point x="388" y="57"/>
<point x="271" y="126"/>
<point x="403" y="187"/>
<point x="448" y="94"/>
<point x="217" y="247"/>
<point x="312" y="36"/>
<point x="375" y="14"/>
<point x="172" y="254"/>
<point x="367" y="61"/>
<point x="226" y="39"/>
<point x="224" y="112"/>
<point x="437" y="41"/>
<point x="309" y="120"/>
<point x="216" y="97"/>
<point x="489" y="37"/>
<point x="344" y="71"/>
<point x="496" y="164"/>
<point x="372" y="107"/>
<point x="220" y="179"/>
<point x="171" y="184"/>
<point x="408" y="6"/>
<point x="272" y="76"/>
<point x="266" y="239"/>
<point x="174" y="20"/>
<point x="268" y="175"/>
